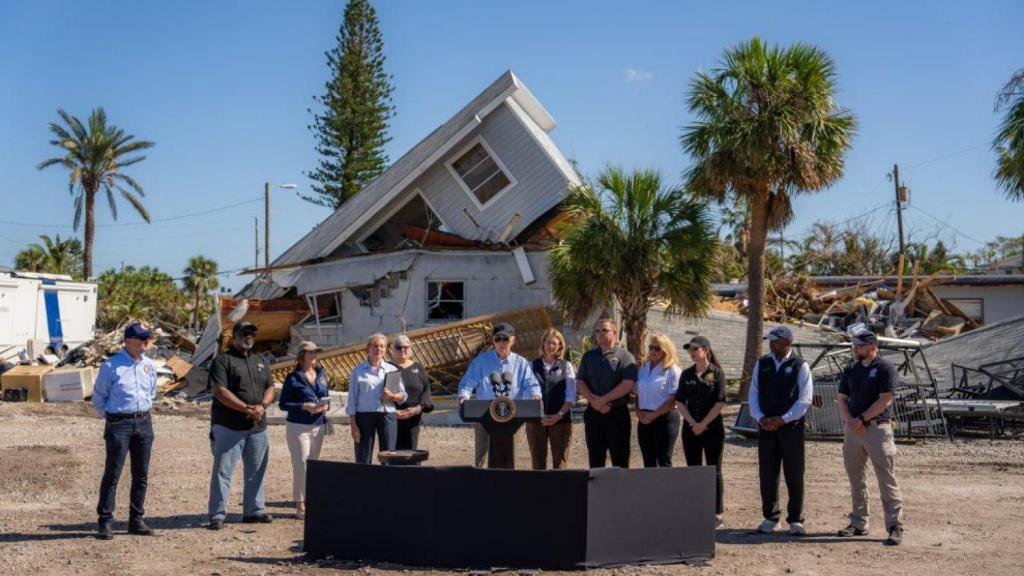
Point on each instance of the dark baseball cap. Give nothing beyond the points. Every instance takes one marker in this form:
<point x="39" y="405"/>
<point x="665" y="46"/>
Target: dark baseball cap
<point x="503" y="329"/>
<point x="244" y="327"/>
<point x="780" y="332"/>
<point x="138" y="331"/>
<point x="864" y="337"/>
<point x="697" y="342"/>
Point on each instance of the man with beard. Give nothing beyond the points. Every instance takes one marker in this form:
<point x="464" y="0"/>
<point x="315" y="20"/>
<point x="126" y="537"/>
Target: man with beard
<point x="865" y="398"/>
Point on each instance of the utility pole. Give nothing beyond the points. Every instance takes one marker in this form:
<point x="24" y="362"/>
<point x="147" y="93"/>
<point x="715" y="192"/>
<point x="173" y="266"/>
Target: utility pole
<point x="899" y="214"/>
<point x="256" y="230"/>
<point x="266" y="224"/>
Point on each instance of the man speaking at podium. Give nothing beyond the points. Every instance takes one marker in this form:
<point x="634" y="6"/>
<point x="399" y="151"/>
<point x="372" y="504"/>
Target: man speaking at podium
<point x="492" y="367"/>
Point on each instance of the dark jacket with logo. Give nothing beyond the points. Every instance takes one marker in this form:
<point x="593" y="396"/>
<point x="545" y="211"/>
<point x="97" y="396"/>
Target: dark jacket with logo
<point x="554" y="387"/>
<point x="778" y="390"/>
<point x="247" y="376"/>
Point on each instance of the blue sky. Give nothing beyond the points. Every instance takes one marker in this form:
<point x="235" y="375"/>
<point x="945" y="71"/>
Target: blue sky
<point x="224" y="89"/>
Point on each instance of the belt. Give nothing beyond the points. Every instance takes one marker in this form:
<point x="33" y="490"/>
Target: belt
<point x="118" y="416"/>
<point x="878" y="421"/>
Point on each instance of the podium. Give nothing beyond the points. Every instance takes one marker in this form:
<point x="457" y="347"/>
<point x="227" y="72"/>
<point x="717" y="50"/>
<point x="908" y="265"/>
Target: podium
<point x="501" y="452"/>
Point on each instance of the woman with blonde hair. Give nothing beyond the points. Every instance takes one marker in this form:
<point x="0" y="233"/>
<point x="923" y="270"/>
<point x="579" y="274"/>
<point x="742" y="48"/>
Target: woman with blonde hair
<point x="557" y="379"/>
<point x="304" y="397"/>
<point x="417" y="386"/>
<point x="371" y="406"/>
<point x="657" y="422"/>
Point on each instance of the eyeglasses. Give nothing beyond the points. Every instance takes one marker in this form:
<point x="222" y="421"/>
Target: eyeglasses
<point x="501" y="338"/>
<point x="602" y="330"/>
<point x="653" y="348"/>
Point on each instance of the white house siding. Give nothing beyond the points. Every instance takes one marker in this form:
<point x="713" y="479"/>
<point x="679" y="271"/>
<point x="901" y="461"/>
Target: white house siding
<point x="1000" y="302"/>
<point x="492" y="284"/>
<point x="539" y="183"/>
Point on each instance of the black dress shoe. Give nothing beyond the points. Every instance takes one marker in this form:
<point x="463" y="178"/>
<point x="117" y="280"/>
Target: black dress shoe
<point x="215" y="524"/>
<point x="895" y="537"/>
<point x="258" y="519"/>
<point x="105" y="531"/>
<point x="851" y="531"/>
<point x="139" y="528"/>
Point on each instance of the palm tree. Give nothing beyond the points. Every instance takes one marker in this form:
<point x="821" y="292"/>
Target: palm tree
<point x="766" y="128"/>
<point x="95" y="156"/>
<point x="200" y="278"/>
<point x="1009" y="141"/>
<point x="53" y="256"/>
<point x="32" y="259"/>
<point x="637" y="242"/>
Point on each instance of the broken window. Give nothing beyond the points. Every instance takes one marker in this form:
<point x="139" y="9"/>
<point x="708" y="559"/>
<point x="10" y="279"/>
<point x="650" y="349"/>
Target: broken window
<point x="406" y="225"/>
<point x="480" y="173"/>
<point x="446" y="300"/>
<point x="326" y="308"/>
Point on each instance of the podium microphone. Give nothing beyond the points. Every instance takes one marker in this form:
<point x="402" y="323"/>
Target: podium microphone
<point x="495" y="381"/>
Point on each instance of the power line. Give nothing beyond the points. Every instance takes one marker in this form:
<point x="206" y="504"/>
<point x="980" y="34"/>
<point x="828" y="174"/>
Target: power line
<point x="964" y="151"/>
<point x="154" y="221"/>
<point x="947" y="225"/>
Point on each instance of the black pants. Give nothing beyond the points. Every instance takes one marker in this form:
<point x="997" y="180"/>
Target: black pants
<point x="375" y="426"/>
<point x="608" y="434"/>
<point x="408" y="433"/>
<point x="658" y="440"/>
<point x="782" y="448"/>
<point x="707" y="449"/>
<point x="128" y="437"/>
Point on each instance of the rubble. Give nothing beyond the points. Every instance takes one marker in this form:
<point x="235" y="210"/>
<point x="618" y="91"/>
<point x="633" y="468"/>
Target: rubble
<point x="912" y="311"/>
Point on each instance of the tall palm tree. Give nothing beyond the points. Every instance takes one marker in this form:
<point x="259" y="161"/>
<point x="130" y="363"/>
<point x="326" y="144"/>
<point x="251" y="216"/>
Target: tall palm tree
<point x="637" y="242"/>
<point x="95" y="155"/>
<point x="1009" y="141"/>
<point x="766" y="128"/>
<point x="200" y="278"/>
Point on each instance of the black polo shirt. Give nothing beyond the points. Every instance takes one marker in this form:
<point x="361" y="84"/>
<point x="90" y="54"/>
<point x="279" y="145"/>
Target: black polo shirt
<point x="603" y="371"/>
<point x="863" y="384"/>
<point x="700" y="393"/>
<point x="246" y="376"/>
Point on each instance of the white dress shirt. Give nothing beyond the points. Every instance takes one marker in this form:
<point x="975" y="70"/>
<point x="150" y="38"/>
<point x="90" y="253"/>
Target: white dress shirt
<point x="655" y="385"/>
<point x="803" y="401"/>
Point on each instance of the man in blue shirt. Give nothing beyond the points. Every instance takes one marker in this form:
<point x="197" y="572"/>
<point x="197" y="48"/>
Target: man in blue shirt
<point x="123" y="396"/>
<point x="477" y="380"/>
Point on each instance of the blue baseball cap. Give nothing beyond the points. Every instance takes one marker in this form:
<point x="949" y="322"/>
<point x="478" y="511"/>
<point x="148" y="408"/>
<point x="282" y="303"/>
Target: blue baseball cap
<point x="780" y="332"/>
<point x="138" y="331"/>
<point x="864" y="337"/>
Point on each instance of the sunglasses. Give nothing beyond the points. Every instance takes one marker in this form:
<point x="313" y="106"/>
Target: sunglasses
<point x="603" y="330"/>
<point x="501" y="338"/>
<point x="653" y="348"/>
<point x="402" y="347"/>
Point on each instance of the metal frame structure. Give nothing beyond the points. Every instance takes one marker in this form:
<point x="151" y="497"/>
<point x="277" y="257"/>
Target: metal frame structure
<point x="974" y="396"/>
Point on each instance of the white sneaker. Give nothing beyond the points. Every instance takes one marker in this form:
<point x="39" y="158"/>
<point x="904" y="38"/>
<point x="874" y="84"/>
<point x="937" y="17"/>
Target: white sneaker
<point x="797" y="529"/>
<point x="767" y="527"/>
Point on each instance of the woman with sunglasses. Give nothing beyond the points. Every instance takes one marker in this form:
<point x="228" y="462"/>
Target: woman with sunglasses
<point x="657" y="422"/>
<point x="417" y="386"/>
<point x="304" y="398"/>
<point x="700" y="400"/>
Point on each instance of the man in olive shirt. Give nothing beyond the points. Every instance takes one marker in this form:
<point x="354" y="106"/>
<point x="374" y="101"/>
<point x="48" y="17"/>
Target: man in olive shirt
<point x="865" y="395"/>
<point x="242" y="390"/>
<point x="605" y="378"/>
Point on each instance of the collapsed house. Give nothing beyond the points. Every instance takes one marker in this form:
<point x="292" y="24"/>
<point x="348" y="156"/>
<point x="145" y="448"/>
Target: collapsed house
<point x="455" y="228"/>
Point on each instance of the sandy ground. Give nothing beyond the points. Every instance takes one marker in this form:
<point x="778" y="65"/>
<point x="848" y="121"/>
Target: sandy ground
<point x="964" y="506"/>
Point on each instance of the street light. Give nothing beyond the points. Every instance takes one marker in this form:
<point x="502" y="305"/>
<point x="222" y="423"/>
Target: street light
<point x="266" y="218"/>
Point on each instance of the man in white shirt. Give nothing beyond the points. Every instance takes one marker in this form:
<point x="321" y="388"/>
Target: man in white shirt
<point x="780" y="394"/>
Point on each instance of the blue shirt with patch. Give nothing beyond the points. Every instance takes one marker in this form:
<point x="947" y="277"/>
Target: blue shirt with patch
<point x="124" y="385"/>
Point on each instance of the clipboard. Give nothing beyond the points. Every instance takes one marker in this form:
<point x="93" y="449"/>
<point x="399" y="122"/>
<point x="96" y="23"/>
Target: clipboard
<point x="393" y="382"/>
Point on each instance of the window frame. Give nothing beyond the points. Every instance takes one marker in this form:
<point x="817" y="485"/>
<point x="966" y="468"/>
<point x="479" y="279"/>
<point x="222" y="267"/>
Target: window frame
<point x="426" y="300"/>
<point x="450" y="164"/>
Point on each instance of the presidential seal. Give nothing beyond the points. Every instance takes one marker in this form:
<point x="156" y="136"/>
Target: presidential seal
<point x="503" y="409"/>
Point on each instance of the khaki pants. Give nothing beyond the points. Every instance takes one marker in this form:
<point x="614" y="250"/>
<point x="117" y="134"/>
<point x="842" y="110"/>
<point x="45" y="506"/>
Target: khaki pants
<point x="538" y="436"/>
<point x="304" y="442"/>
<point x="481" y="442"/>
<point x="878" y="446"/>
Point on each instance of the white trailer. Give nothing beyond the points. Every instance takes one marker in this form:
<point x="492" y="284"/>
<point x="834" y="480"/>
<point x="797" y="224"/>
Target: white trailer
<point x="51" y="309"/>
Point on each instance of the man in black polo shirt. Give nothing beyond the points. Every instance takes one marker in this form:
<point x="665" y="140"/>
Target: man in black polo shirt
<point x="242" y="390"/>
<point x="865" y="399"/>
<point x="780" y="394"/>
<point x="605" y="378"/>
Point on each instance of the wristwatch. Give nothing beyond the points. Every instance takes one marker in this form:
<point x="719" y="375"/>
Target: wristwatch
<point x="561" y="413"/>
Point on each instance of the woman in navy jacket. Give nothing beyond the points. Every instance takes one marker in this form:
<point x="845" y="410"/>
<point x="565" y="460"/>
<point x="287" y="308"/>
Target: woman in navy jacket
<point x="304" y="397"/>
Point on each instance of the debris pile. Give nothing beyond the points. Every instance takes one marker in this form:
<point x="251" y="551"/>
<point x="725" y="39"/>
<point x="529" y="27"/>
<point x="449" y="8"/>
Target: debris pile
<point x="912" y="311"/>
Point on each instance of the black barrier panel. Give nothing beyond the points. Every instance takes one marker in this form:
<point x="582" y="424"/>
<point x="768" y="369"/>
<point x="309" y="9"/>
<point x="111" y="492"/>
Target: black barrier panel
<point x="476" y="518"/>
<point x="650" y="516"/>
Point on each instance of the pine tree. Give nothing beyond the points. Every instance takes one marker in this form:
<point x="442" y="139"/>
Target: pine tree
<point x="352" y="128"/>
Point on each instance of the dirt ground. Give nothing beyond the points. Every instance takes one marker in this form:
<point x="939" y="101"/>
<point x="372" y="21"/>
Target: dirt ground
<point x="964" y="506"/>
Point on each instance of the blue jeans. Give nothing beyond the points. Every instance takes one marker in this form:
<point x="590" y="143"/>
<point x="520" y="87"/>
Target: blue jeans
<point x="128" y="437"/>
<point x="227" y="446"/>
